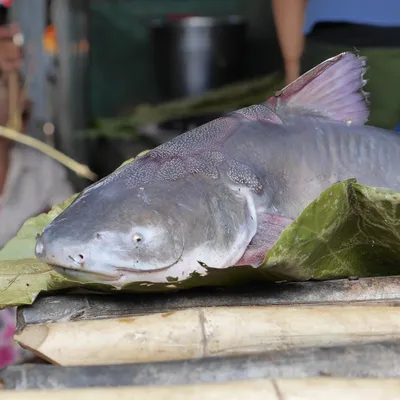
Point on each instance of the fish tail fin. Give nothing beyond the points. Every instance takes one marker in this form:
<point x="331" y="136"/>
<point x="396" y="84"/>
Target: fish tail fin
<point x="333" y="89"/>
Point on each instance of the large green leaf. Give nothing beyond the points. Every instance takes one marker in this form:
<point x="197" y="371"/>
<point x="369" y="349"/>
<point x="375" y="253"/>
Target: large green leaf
<point x="349" y="230"/>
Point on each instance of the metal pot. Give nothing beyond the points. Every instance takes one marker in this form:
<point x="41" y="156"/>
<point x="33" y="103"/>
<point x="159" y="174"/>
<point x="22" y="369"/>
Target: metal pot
<point x="195" y="54"/>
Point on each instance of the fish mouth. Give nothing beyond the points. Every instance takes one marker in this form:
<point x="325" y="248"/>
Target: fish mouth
<point x="78" y="273"/>
<point x="149" y="271"/>
<point x="72" y="272"/>
<point x="119" y="272"/>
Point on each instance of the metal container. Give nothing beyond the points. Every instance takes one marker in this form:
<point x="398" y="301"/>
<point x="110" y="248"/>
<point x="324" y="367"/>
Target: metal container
<point x="195" y="54"/>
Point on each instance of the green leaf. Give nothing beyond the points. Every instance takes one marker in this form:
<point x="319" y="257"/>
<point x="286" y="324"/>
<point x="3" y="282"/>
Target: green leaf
<point x="22" y="246"/>
<point x="22" y="280"/>
<point x="349" y="230"/>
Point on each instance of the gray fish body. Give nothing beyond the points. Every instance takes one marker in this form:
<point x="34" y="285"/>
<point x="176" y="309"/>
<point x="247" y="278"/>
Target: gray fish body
<point x="221" y="194"/>
<point x="307" y="154"/>
<point x="184" y="198"/>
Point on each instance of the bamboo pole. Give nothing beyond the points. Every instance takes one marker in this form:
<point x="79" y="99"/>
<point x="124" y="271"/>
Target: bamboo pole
<point x="80" y="169"/>
<point x="296" y="389"/>
<point x="14" y="126"/>
<point x="89" y="306"/>
<point x="208" y="332"/>
<point x="369" y="360"/>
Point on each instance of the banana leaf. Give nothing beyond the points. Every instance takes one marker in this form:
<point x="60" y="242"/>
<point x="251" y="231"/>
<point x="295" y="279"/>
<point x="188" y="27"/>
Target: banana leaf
<point x="349" y="230"/>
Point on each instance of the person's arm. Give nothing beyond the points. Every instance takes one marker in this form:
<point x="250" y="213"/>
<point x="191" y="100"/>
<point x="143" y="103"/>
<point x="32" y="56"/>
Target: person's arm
<point x="289" y="20"/>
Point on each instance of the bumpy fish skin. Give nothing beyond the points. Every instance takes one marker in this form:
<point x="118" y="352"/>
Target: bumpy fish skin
<point x="221" y="194"/>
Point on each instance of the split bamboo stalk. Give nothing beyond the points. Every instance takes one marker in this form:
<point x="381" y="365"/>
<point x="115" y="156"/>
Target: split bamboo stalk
<point x="80" y="169"/>
<point x="291" y="389"/>
<point x="208" y="332"/>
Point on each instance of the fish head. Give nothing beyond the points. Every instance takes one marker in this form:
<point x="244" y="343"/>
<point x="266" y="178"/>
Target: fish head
<point x="111" y="231"/>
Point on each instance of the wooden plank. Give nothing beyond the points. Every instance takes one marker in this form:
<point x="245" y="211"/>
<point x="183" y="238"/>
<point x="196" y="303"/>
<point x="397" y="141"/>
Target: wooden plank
<point x="299" y="389"/>
<point x="89" y="307"/>
<point x="211" y="331"/>
<point x="374" y="360"/>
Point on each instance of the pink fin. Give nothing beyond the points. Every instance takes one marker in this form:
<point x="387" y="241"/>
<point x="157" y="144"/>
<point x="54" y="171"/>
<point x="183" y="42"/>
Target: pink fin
<point x="269" y="229"/>
<point x="332" y="89"/>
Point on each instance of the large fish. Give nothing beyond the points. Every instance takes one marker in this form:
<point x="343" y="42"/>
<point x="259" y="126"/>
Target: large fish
<point x="221" y="194"/>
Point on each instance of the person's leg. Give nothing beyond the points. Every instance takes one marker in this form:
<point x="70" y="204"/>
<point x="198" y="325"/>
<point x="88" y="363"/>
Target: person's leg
<point x="383" y="79"/>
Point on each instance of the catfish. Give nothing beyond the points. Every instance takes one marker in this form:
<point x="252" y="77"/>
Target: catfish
<point x="221" y="195"/>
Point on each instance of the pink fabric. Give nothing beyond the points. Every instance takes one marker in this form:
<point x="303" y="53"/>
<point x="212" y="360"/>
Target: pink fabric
<point x="10" y="352"/>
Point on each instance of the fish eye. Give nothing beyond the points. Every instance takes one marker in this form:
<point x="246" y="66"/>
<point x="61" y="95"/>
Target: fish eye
<point x="137" y="237"/>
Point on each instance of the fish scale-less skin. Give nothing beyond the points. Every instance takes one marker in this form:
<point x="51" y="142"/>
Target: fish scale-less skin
<point x="207" y="137"/>
<point x="275" y="168"/>
<point x="221" y="194"/>
<point x="198" y="151"/>
<point x="260" y="112"/>
<point x="204" y="165"/>
<point x="322" y="153"/>
<point x="198" y="211"/>
<point x="210" y="205"/>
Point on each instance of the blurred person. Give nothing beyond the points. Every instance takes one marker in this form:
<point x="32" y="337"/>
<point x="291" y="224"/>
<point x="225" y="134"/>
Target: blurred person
<point x="30" y="182"/>
<point x="311" y="31"/>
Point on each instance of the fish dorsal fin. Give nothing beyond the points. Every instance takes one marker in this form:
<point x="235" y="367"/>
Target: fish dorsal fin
<point x="333" y="89"/>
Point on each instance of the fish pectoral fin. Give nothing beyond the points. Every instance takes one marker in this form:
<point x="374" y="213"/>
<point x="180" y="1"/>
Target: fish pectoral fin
<point x="269" y="229"/>
<point x="333" y="89"/>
